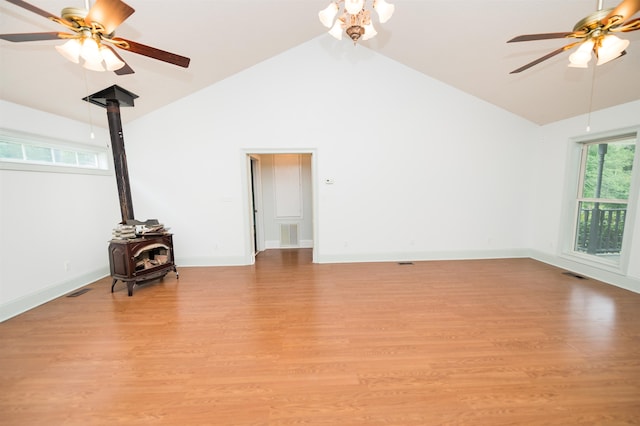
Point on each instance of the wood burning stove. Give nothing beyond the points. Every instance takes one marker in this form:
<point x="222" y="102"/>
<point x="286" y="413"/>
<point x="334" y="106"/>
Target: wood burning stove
<point x="146" y="257"/>
<point x="139" y="260"/>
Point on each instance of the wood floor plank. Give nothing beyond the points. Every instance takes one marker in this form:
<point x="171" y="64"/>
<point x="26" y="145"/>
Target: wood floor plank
<point x="285" y="341"/>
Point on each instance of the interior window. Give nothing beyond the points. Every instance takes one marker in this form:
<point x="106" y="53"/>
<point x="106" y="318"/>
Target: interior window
<point x="602" y="201"/>
<point x="22" y="151"/>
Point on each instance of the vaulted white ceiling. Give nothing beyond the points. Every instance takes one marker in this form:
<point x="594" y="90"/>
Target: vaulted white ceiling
<point x="461" y="43"/>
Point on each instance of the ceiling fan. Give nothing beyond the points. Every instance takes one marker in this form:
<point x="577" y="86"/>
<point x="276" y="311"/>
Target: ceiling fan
<point x="593" y="34"/>
<point x="92" y="37"/>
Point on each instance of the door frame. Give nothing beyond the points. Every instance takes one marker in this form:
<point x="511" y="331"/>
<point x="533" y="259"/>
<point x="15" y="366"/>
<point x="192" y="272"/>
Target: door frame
<point x="257" y="222"/>
<point x="246" y="164"/>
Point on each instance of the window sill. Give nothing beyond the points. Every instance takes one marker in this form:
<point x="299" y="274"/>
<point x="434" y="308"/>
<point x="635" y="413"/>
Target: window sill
<point x="45" y="168"/>
<point x="615" y="267"/>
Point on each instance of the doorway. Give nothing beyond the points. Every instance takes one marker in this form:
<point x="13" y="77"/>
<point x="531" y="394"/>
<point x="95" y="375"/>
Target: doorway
<point x="281" y="191"/>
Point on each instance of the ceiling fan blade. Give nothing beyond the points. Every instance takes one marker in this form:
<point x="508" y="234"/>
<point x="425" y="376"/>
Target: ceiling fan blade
<point x="632" y="25"/>
<point x="38" y="11"/>
<point x="109" y="13"/>
<point x="154" y="53"/>
<point x="31" y="36"/>
<point x="124" y="70"/>
<point x="545" y="57"/>
<point x="31" y="8"/>
<point x="546" y="36"/>
<point x="625" y="10"/>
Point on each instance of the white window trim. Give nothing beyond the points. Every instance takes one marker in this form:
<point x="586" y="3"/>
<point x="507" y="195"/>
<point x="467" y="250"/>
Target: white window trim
<point x="573" y="180"/>
<point x="48" y="142"/>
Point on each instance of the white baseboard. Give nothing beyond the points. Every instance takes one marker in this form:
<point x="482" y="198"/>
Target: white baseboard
<point x="211" y="261"/>
<point x="30" y="301"/>
<point x="422" y="256"/>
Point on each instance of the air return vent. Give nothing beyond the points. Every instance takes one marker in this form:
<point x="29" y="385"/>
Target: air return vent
<point x="79" y="292"/>
<point x="574" y="275"/>
<point x="288" y="234"/>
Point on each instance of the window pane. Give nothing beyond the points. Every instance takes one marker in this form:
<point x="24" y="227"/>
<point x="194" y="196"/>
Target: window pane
<point x="11" y="150"/>
<point x="65" y="157"/>
<point x="24" y="151"/>
<point x="37" y="153"/>
<point x="87" y="159"/>
<point x="600" y="228"/>
<point x="608" y="170"/>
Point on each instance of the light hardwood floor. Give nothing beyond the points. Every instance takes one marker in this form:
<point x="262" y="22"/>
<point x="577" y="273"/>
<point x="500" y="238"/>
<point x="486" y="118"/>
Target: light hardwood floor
<point x="483" y="342"/>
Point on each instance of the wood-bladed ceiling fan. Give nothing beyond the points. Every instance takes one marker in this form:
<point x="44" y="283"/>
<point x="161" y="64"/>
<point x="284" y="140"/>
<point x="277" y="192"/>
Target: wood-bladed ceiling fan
<point x="594" y="34"/>
<point x="92" y="37"/>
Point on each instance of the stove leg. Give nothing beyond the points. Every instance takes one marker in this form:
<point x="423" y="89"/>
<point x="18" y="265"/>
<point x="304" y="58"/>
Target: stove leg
<point x="130" y="285"/>
<point x="113" y="284"/>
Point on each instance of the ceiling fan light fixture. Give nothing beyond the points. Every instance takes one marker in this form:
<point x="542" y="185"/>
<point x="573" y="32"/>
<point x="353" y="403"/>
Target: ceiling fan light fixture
<point x="111" y="61"/>
<point x="94" y="66"/>
<point x="581" y="57"/>
<point x="71" y="50"/>
<point x="336" y="30"/>
<point x="353" y="7"/>
<point x="611" y="47"/>
<point x="355" y="32"/>
<point x="385" y="10"/>
<point x="90" y="51"/>
<point x="355" y="19"/>
<point x="328" y="14"/>
<point x="96" y="57"/>
<point x="369" y="31"/>
<point x="608" y="59"/>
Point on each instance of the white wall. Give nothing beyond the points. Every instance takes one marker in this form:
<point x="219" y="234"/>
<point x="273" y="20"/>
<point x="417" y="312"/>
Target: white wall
<point x="52" y="220"/>
<point x="420" y="170"/>
<point x="549" y="191"/>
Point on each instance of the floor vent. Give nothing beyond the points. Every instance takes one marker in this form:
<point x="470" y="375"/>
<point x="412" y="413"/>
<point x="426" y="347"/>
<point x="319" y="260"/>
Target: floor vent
<point x="574" y="275"/>
<point x="289" y="234"/>
<point x="405" y="263"/>
<point x="79" y="292"/>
